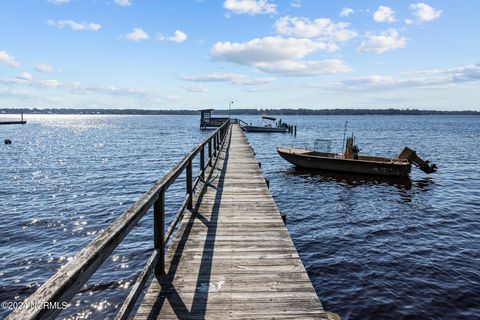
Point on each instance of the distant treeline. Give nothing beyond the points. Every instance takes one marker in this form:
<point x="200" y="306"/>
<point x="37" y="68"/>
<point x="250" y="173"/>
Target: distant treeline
<point x="343" y="112"/>
<point x="239" y="111"/>
<point x="95" y="111"/>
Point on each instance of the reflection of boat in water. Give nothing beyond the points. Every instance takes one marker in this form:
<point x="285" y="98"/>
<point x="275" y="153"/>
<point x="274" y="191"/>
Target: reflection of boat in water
<point x="343" y="178"/>
<point x="270" y="125"/>
<point x="351" y="162"/>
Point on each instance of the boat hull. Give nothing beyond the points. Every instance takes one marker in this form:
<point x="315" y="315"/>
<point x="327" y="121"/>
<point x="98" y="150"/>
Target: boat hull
<point x="264" y="129"/>
<point x="306" y="160"/>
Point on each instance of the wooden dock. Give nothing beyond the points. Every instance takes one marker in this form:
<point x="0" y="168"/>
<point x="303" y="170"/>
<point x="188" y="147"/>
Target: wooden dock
<point x="231" y="257"/>
<point x="7" y="122"/>
<point x="12" y="122"/>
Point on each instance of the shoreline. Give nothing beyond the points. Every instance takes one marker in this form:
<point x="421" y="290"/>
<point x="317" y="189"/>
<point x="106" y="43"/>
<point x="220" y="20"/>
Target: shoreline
<point x="235" y="112"/>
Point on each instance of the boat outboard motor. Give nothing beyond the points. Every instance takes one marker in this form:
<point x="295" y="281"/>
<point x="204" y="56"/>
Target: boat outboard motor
<point x="412" y="157"/>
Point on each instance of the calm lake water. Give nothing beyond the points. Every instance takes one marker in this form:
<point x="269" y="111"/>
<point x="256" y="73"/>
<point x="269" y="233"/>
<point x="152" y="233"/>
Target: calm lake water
<point x="374" y="248"/>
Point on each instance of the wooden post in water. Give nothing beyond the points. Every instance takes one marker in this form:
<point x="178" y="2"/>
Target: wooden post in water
<point x="189" y="185"/>
<point x="295" y="130"/>
<point x="284" y="217"/>
<point x="159" y="232"/>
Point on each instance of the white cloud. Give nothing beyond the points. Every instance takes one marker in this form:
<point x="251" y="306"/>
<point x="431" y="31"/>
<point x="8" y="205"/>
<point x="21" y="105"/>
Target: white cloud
<point x="51" y="83"/>
<point x="43" y="67"/>
<point x="177" y="37"/>
<point x="81" y="88"/>
<point x="142" y="95"/>
<point x="26" y="79"/>
<point x="25" y="76"/>
<point x="296" y="3"/>
<point x="234" y="78"/>
<point x="424" y="12"/>
<point x="468" y="73"/>
<point x="322" y="29"/>
<point x="268" y="49"/>
<point x="58" y="1"/>
<point x="435" y="78"/>
<point x="408" y="21"/>
<point x="75" y="26"/>
<point x="346" y="12"/>
<point x="277" y="55"/>
<point x="137" y="34"/>
<point x="305" y="68"/>
<point x="215" y="77"/>
<point x="377" y="82"/>
<point x="197" y="88"/>
<point x="256" y="81"/>
<point x="124" y="3"/>
<point x="384" y="14"/>
<point x="251" y="7"/>
<point x="9" y="60"/>
<point x="383" y="42"/>
<point x="13" y="93"/>
<point x="380" y="83"/>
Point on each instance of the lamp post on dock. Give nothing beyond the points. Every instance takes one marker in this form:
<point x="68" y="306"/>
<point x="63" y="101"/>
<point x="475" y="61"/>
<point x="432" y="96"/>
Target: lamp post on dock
<point x="229" y="107"/>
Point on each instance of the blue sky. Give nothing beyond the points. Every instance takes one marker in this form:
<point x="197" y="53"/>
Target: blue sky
<point x="190" y="54"/>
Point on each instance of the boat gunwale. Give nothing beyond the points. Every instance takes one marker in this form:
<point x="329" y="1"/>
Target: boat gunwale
<point x="388" y="161"/>
<point x="265" y="129"/>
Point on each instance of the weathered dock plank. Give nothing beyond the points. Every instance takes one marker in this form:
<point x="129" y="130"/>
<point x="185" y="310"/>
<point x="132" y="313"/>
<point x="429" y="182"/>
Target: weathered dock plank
<point x="232" y="257"/>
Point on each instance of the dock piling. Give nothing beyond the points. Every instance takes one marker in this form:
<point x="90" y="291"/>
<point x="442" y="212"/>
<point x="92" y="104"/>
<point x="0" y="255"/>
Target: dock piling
<point x="284" y="217"/>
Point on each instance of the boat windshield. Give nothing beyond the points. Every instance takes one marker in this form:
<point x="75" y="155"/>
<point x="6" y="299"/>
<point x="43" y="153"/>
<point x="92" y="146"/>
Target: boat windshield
<point x="322" y="145"/>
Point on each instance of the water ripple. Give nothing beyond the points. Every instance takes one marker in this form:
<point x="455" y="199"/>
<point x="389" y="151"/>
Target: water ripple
<point x="374" y="248"/>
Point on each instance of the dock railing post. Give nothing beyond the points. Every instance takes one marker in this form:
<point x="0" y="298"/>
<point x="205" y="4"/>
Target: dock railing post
<point x="189" y="185"/>
<point x="202" y="162"/>
<point x="159" y="232"/>
<point x="210" y="152"/>
<point x="215" y="145"/>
